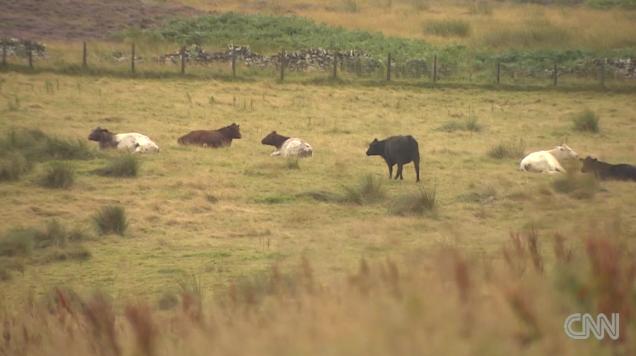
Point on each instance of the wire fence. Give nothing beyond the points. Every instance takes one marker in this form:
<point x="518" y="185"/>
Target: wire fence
<point x="353" y="65"/>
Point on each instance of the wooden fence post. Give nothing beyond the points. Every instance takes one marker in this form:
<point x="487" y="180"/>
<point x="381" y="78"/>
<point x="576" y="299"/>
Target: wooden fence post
<point x="132" y="58"/>
<point x="183" y="60"/>
<point x="335" y="65"/>
<point x="29" y="54"/>
<point x="434" y="69"/>
<point x="84" y="55"/>
<point x="498" y="72"/>
<point x="555" y="75"/>
<point x="233" y="63"/>
<point x="282" y="65"/>
<point x="388" y="68"/>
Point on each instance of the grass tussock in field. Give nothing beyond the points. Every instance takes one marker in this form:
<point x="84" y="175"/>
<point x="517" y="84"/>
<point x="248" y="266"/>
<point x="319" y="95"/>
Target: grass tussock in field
<point x="586" y="121"/>
<point x="369" y="190"/>
<point x="121" y="166"/>
<point x="507" y="150"/>
<point x="577" y="185"/>
<point x="418" y="203"/>
<point x="111" y="219"/>
<point x="511" y="300"/>
<point x="471" y="124"/>
<point x="58" y="175"/>
<point x="21" y="246"/>
<point x="12" y="166"/>
<point x="446" y="28"/>
<point x="37" y="146"/>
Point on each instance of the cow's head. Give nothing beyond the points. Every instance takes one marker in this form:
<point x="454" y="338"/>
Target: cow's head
<point x="376" y="148"/>
<point x="588" y="164"/>
<point x="233" y="131"/>
<point x="564" y="152"/>
<point x="270" y="139"/>
<point x="100" y="135"/>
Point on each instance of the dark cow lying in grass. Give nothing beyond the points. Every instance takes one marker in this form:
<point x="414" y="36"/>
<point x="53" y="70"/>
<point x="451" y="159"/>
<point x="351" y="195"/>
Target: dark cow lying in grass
<point x="604" y="170"/>
<point x="287" y="146"/>
<point x="398" y="150"/>
<point x="212" y="138"/>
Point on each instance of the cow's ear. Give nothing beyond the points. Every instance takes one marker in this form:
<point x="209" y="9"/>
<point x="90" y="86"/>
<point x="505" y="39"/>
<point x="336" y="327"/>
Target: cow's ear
<point x="274" y="132"/>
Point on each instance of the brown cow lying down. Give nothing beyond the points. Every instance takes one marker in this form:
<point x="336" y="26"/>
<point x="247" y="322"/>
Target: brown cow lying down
<point x="212" y="138"/>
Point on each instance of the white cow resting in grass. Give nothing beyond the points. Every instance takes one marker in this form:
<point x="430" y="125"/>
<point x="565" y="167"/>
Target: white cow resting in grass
<point x="132" y="142"/>
<point x="547" y="161"/>
<point x="286" y="146"/>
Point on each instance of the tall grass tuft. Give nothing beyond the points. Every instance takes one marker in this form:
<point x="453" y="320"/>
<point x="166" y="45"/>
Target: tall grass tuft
<point x="58" y="175"/>
<point x="12" y="166"/>
<point x="534" y="33"/>
<point x="369" y="190"/>
<point x="111" y="219"/>
<point x="18" y="242"/>
<point x="121" y="166"/>
<point x="423" y="201"/>
<point x="292" y="163"/>
<point x="579" y="186"/>
<point x="513" y="150"/>
<point x="447" y="28"/>
<point x="37" y="146"/>
<point x="350" y="6"/>
<point x="470" y="124"/>
<point x="586" y="121"/>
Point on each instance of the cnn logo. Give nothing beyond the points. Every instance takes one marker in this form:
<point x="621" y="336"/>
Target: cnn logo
<point x="588" y="325"/>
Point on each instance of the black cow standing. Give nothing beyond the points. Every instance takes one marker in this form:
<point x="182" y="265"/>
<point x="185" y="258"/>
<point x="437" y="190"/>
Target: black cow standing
<point x="604" y="170"/>
<point x="398" y="150"/>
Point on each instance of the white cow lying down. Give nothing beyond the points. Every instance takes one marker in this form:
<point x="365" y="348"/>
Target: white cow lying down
<point x="547" y="161"/>
<point x="133" y="142"/>
<point x="287" y="146"/>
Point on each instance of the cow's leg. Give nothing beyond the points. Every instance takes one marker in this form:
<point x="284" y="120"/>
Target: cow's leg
<point x="390" y="170"/>
<point x="416" y="163"/>
<point x="399" y="171"/>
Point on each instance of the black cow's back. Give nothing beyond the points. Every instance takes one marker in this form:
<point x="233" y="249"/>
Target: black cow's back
<point x="401" y="149"/>
<point x="622" y="172"/>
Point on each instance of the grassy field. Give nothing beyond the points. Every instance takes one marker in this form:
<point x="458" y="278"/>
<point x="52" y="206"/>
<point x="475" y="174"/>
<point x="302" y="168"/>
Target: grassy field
<point x="495" y="24"/>
<point x="225" y="216"/>
<point x="226" y="213"/>
<point x="233" y="252"/>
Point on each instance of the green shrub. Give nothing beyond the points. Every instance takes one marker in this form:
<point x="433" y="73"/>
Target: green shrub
<point x="586" y="121"/>
<point x="111" y="219"/>
<point x="12" y="166"/>
<point x="121" y="166"/>
<point x="367" y="191"/>
<point x="58" y="175"/>
<point x="512" y="150"/>
<point x="447" y="28"/>
<point x="414" y="204"/>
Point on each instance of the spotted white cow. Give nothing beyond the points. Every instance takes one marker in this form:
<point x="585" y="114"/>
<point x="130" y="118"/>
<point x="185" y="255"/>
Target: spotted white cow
<point x="287" y="146"/>
<point x="133" y="142"/>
